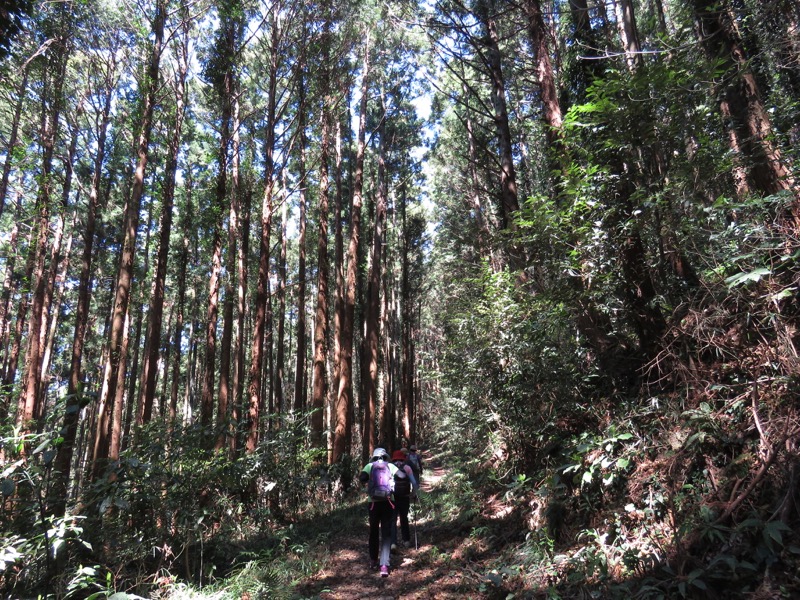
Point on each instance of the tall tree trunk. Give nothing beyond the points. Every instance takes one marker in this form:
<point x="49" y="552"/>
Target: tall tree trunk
<point x="747" y="121"/>
<point x="10" y="280"/>
<point x="13" y="139"/>
<point x="58" y="264"/>
<point x="51" y="110"/>
<point x="484" y="232"/>
<point x="242" y="203"/>
<point x="319" y="380"/>
<point x="369" y="371"/>
<point x="224" y="85"/>
<point x="626" y="23"/>
<point x="52" y="329"/>
<point x="338" y="301"/>
<point x="300" y="366"/>
<point x="137" y="336"/>
<point x="406" y="325"/>
<point x="226" y="391"/>
<point x="508" y="179"/>
<point x="183" y="260"/>
<point x="279" y="382"/>
<point x="639" y="293"/>
<point x="255" y="393"/>
<point x="156" y="310"/>
<point x="15" y="347"/>
<point x="75" y="397"/>
<point x="125" y="274"/>
<point x="551" y="109"/>
<point x="212" y="311"/>
<point x="387" y="415"/>
<point x="344" y="401"/>
<point x="116" y="439"/>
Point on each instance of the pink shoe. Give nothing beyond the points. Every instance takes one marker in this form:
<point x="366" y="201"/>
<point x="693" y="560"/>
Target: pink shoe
<point x="384" y="570"/>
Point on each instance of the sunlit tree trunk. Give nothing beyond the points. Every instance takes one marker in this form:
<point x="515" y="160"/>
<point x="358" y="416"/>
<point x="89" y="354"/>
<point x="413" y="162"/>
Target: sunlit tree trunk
<point x="369" y="371"/>
<point x="278" y="382"/>
<point x="626" y="23"/>
<point x="300" y="365"/>
<point x="551" y="109"/>
<point x="125" y="274"/>
<point x="338" y="301"/>
<point x="761" y="163"/>
<point x="60" y="283"/>
<point x="59" y="259"/>
<point x="51" y="111"/>
<point x="508" y="178"/>
<point x="133" y="380"/>
<point x="406" y="325"/>
<point x="320" y="387"/>
<point x="13" y="139"/>
<point x="262" y="290"/>
<point x="241" y="200"/>
<point x="319" y="379"/>
<point x="181" y="274"/>
<point x="344" y="401"/>
<point x="9" y="283"/>
<point x="75" y="392"/>
<point x="212" y="311"/>
<point x="156" y="304"/>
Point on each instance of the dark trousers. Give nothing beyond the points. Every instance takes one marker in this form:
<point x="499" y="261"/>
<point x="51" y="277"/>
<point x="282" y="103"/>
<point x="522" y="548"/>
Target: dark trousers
<point x="402" y="506"/>
<point x="381" y="515"/>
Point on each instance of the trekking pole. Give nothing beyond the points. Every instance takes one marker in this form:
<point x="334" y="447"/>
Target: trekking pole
<point x="416" y="542"/>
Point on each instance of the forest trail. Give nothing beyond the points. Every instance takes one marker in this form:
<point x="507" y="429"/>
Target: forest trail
<point x="427" y="572"/>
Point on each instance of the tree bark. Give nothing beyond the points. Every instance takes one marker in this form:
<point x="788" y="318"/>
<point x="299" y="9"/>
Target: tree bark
<point x="156" y="310"/>
<point x="628" y="33"/>
<point x="242" y="203"/>
<point x="115" y="361"/>
<point x="300" y="366"/>
<point x="509" y="202"/>
<point x="369" y="371"/>
<point x="278" y="383"/>
<point x="75" y="397"/>
<point x="232" y="28"/>
<point x="10" y="280"/>
<point x="30" y="397"/>
<point x="551" y="109"/>
<point x="319" y="379"/>
<point x="344" y="404"/>
<point x="262" y="291"/>
<point x="338" y="302"/>
<point x="762" y="166"/>
<point x="13" y="140"/>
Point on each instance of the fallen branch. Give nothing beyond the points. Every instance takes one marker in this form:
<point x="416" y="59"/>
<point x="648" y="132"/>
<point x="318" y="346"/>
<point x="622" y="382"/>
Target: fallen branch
<point x="769" y="453"/>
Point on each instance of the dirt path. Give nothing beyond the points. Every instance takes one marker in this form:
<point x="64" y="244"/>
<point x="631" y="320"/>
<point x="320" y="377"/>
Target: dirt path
<point x="426" y="572"/>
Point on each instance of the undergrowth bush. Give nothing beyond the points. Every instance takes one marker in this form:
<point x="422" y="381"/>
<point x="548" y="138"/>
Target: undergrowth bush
<point x="169" y="506"/>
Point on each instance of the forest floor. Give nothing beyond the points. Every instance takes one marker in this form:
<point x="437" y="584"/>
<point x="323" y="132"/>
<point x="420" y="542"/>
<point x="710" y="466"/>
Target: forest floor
<point x="432" y="569"/>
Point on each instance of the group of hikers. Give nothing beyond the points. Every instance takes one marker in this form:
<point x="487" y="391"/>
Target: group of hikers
<point x="392" y="484"/>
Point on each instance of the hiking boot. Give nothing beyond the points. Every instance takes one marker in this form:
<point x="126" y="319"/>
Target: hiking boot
<point x="394" y="547"/>
<point x="384" y="570"/>
<point x="406" y="543"/>
<point x="373" y="565"/>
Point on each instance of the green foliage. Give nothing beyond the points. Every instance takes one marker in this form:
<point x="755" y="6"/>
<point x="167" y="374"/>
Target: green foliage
<point x="503" y="364"/>
<point x="33" y="539"/>
<point x="599" y="459"/>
